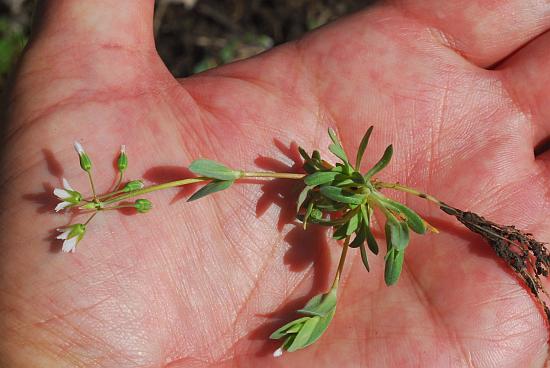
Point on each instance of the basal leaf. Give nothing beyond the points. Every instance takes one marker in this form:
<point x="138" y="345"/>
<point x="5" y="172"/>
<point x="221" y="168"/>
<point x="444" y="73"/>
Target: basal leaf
<point x="394" y="264"/>
<point x="302" y="338"/>
<point x="360" y="236"/>
<point x="362" y="148"/>
<point x="212" y="187"/>
<point x="371" y="240"/>
<point x="308" y="213"/>
<point x="397" y="234"/>
<point x="281" y="332"/>
<point x="321" y="327"/>
<point x="320" y="305"/>
<point x="352" y="224"/>
<point x="340" y="232"/>
<point x="336" y="147"/>
<point x="304" y="154"/>
<point x="320" y="177"/>
<point x="364" y="257"/>
<point x="381" y="164"/>
<point x="414" y="221"/>
<point x="302" y="197"/>
<point x="338" y="152"/>
<point x="214" y="170"/>
<point x="341" y="195"/>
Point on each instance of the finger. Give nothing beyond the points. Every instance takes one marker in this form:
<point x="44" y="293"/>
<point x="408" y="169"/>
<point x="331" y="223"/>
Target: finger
<point x="483" y="31"/>
<point x="526" y="75"/>
<point x="112" y="23"/>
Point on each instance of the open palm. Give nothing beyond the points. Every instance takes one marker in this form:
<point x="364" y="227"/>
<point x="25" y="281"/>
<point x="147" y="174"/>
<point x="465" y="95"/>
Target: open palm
<point x="205" y="283"/>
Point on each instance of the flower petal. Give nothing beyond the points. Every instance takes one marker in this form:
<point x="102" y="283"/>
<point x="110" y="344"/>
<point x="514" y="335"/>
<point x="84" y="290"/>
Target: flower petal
<point x="78" y="148"/>
<point x="61" y="193"/>
<point x="61" y="206"/>
<point x="69" y="245"/>
<point x="66" y="185"/>
<point x="64" y="235"/>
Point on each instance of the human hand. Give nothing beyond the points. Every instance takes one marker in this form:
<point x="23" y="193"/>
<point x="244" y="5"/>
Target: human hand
<point x="205" y="283"/>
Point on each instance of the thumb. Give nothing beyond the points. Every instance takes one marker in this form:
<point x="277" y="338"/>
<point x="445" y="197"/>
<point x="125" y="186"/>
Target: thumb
<point x="110" y="23"/>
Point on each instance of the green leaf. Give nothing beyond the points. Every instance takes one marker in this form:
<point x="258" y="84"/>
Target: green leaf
<point x="364" y="257"/>
<point x="214" y="170"/>
<point x="360" y="237"/>
<point x="371" y="240"/>
<point x="212" y="187"/>
<point x="308" y="213"/>
<point x="281" y="332"/>
<point x="304" y="154"/>
<point x="302" y="338"/>
<point x="320" y="305"/>
<point x="336" y="147"/>
<point x="381" y="164"/>
<point x="340" y="232"/>
<point x="313" y="219"/>
<point x="394" y="264"/>
<point x="302" y="197"/>
<point x="321" y="327"/>
<point x="320" y="177"/>
<point x="304" y="331"/>
<point x="397" y="234"/>
<point x="414" y="221"/>
<point x="342" y="196"/>
<point x="330" y="206"/>
<point x="362" y="148"/>
<point x="352" y="224"/>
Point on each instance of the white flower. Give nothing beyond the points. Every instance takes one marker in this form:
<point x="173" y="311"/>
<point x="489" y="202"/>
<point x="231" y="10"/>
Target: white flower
<point x="277" y="353"/>
<point x="71" y="236"/>
<point x="67" y="195"/>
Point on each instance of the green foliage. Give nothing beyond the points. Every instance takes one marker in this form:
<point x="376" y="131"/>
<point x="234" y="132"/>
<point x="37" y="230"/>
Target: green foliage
<point x="212" y="187"/>
<point x="12" y="41"/>
<point x="341" y="197"/>
<point x="304" y="331"/>
<point x="214" y="170"/>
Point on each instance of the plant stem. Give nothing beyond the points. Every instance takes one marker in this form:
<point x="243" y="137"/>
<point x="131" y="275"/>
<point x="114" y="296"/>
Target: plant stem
<point x="90" y="218"/>
<point x="92" y="183"/>
<point x="268" y="174"/>
<point x="340" y="264"/>
<point x="153" y="188"/>
<point x="402" y="188"/>
<point x="120" y="176"/>
<point x="120" y="206"/>
<point x="103" y="196"/>
<point x="182" y="182"/>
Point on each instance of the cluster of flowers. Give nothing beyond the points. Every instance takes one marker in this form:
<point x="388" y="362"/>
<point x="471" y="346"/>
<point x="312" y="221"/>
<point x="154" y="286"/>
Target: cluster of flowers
<point x="73" y="199"/>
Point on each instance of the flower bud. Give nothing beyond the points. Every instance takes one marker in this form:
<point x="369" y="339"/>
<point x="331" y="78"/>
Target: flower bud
<point x="143" y="205"/>
<point x="85" y="162"/>
<point x="122" y="162"/>
<point x="133" y="185"/>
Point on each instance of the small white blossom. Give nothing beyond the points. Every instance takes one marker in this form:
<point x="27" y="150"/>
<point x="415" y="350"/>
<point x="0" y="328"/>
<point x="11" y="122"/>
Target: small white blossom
<point x="122" y="148"/>
<point x="71" y="236"/>
<point x="67" y="195"/>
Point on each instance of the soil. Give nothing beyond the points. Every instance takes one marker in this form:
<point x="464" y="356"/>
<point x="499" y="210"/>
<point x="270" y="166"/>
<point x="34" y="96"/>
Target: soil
<point x="194" y="35"/>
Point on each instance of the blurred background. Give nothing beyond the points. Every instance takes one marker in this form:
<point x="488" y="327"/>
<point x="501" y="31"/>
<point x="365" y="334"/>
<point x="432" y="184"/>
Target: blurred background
<point x="195" y="35"/>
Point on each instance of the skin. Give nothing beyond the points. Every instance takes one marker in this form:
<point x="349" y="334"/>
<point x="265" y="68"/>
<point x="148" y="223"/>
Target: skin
<point x="460" y="90"/>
